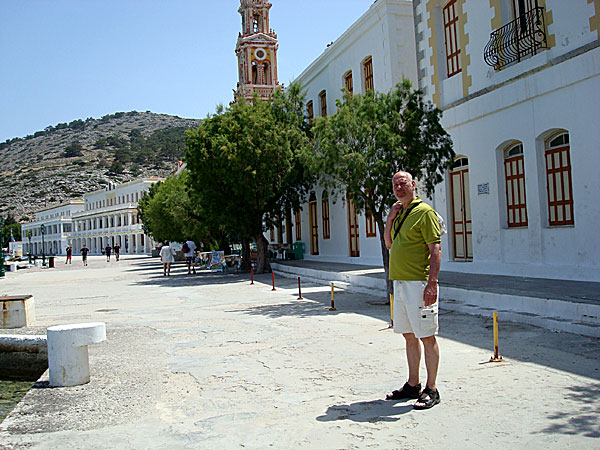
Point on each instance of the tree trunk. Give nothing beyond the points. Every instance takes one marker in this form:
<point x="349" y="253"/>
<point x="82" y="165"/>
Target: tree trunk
<point x="262" y="263"/>
<point x="246" y="262"/>
<point x="385" y="255"/>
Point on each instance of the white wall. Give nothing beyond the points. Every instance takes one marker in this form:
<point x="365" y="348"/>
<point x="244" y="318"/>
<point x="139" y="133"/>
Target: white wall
<point x="551" y="91"/>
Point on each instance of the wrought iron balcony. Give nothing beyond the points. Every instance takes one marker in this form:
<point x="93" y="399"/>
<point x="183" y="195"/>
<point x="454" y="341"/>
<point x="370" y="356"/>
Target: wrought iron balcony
<point x="519" y="39"/>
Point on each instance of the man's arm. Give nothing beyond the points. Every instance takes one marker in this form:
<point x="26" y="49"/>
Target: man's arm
<point x="430" y="292"/>
<point x="387" y="234"/>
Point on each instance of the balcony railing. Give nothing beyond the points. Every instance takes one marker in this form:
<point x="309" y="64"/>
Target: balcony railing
<point x="519" y="39"/>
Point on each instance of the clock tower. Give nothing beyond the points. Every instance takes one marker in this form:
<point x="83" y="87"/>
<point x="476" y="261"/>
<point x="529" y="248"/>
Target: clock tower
<point x="256" y="51"/>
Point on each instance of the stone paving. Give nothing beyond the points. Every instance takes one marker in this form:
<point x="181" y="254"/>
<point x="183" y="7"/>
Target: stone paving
<point x="208" y="361"/>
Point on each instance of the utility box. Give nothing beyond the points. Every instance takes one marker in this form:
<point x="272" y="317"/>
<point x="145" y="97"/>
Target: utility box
<point x="298" y="248"/>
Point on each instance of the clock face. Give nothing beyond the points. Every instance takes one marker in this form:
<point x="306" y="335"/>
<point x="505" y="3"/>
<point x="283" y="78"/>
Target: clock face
<point x="260" y="54"/>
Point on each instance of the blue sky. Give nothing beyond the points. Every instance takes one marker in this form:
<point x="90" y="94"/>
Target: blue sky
<point x="72" y="59"/>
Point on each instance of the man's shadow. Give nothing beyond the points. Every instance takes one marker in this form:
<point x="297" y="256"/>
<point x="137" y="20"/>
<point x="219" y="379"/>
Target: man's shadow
<point x="372" y="411"/>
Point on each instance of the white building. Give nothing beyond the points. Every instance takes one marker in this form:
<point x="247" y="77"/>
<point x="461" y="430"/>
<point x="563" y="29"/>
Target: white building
<point x="518" y="81"/>
<point x="376" y="52"/>
<point x="109" y="216"/>
<point x="57" y="224"/>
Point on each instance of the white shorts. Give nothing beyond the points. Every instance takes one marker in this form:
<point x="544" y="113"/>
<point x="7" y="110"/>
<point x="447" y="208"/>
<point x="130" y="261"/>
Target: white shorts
<point x="410" y="313"/>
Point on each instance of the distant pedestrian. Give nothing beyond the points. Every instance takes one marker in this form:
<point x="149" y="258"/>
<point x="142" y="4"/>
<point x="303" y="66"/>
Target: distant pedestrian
<point x="413" y="235"/>
<point x="84" y="253"/>
<point x="69" y="254"/>
<point x="189" y="249"/>
<point x="107" y="253"/>
<point x="117" y="251"/>
<point x="167" y="256"/>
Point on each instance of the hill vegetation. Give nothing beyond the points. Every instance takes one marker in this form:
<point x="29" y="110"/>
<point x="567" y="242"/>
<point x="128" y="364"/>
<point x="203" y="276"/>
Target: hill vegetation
<point x="64" y="161"/>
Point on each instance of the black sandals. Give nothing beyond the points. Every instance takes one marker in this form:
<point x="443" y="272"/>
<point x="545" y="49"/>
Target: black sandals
<point x="407" y="391"/>
<point x="428" y="399"/>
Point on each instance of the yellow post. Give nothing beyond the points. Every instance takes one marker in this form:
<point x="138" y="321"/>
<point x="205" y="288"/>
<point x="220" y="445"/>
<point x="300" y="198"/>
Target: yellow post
<point x="392" y="310"/>
<point x="332" y="304"/>
<point x="496" y="357"/>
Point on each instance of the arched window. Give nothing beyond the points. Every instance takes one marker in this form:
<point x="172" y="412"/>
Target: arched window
<point x="323" y="100"/>
<point x="313" y="223"/>
<point x="348" y="83"/>
<point x="298" y="224"/>
<point x="325" y="214"/>
<point x="254" y="73"/>
<point x="310" y="112"/>
<point x="368" y="74"/>
<point x="558" y="180"/>
<point x="514" y="173"/>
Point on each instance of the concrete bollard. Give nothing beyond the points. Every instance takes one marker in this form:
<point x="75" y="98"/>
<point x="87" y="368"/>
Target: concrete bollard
<point x="12" y="267"/>
<point x="68" y="352"/>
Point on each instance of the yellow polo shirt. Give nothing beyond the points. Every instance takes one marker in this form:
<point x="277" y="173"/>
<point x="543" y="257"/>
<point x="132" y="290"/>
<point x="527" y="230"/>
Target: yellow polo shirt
<point x="409" y="255"/>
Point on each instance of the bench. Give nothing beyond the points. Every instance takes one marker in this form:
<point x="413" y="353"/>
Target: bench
<point x="68" y="359"/>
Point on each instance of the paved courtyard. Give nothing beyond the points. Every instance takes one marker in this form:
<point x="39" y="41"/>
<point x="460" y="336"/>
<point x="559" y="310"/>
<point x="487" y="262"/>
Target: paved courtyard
<point x="209" y="361"/>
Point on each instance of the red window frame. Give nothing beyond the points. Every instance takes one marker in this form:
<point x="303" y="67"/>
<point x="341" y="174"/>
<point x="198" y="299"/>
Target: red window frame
<point x="371" y="226"/>
<point x="368" y="74"/>
<point x="559" y="186"/>
<point x="323" y="100"/>
<point x="451" y="38"/>
<point x="325" y="214"/>
<point x="298" y="224"/>
<point x="514" y="174"/>
<point x="348" y="82"/>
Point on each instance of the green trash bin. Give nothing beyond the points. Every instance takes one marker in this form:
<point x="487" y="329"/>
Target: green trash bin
<point x="298" y="248"/>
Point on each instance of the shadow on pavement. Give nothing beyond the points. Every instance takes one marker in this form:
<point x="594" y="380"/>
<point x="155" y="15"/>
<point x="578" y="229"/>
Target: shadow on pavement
<point x="578" y="421"/>
<point x="372" y="411"/>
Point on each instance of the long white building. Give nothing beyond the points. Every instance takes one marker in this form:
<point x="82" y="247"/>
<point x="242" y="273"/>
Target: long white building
<point x="110" y="217"/>
<point x="519" y="84"/>
<point x="57" y="225"/>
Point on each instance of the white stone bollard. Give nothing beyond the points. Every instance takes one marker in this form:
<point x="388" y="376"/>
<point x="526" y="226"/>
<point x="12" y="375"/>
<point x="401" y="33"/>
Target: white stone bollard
<point x="68" y="352"/>
<point x="12" y="267"/>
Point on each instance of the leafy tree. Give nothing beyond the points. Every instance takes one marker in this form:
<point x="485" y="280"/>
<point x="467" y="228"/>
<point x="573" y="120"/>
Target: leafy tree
<point x="10" y="225"/>
<point x="373" y="136"/>
<point x="168" y="213"/>
<point x="116" y="168"/>
<point x="73" y="150"/>
<point x="245" y="165"/>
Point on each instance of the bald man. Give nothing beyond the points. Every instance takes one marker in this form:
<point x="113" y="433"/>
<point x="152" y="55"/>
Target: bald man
<point x="413" y="236"/>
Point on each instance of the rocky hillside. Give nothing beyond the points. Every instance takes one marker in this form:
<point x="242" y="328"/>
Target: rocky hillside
<point x="67" y="160"/>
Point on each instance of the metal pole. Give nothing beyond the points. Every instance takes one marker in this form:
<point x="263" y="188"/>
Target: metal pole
<point x="332" y="302"/>
<point x="299" y="290"/>
<point x="251" y="276"/>
<point x="273" y="276"/>
<point x="496" y="357"/>
<point x="392" y="310"/>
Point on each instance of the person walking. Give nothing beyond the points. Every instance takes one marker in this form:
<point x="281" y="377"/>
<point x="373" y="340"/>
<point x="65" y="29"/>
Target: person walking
<point x="107" y="252"/>
<point x="117" y="251"/>
<point x="69" y="254"/>
<point x="189" y="249"/>
<point x="84" y="254"/>
<point x="413" y="236"/>
<point x="167" y="256"/>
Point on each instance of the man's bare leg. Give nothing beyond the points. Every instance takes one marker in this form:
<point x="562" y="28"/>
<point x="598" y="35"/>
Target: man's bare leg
<point x="432" y="360"/>
<point x="413" y="357"/>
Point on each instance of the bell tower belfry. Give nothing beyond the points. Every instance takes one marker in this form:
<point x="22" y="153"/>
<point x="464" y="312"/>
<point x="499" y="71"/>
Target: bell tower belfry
<point x="256" y="50"/>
